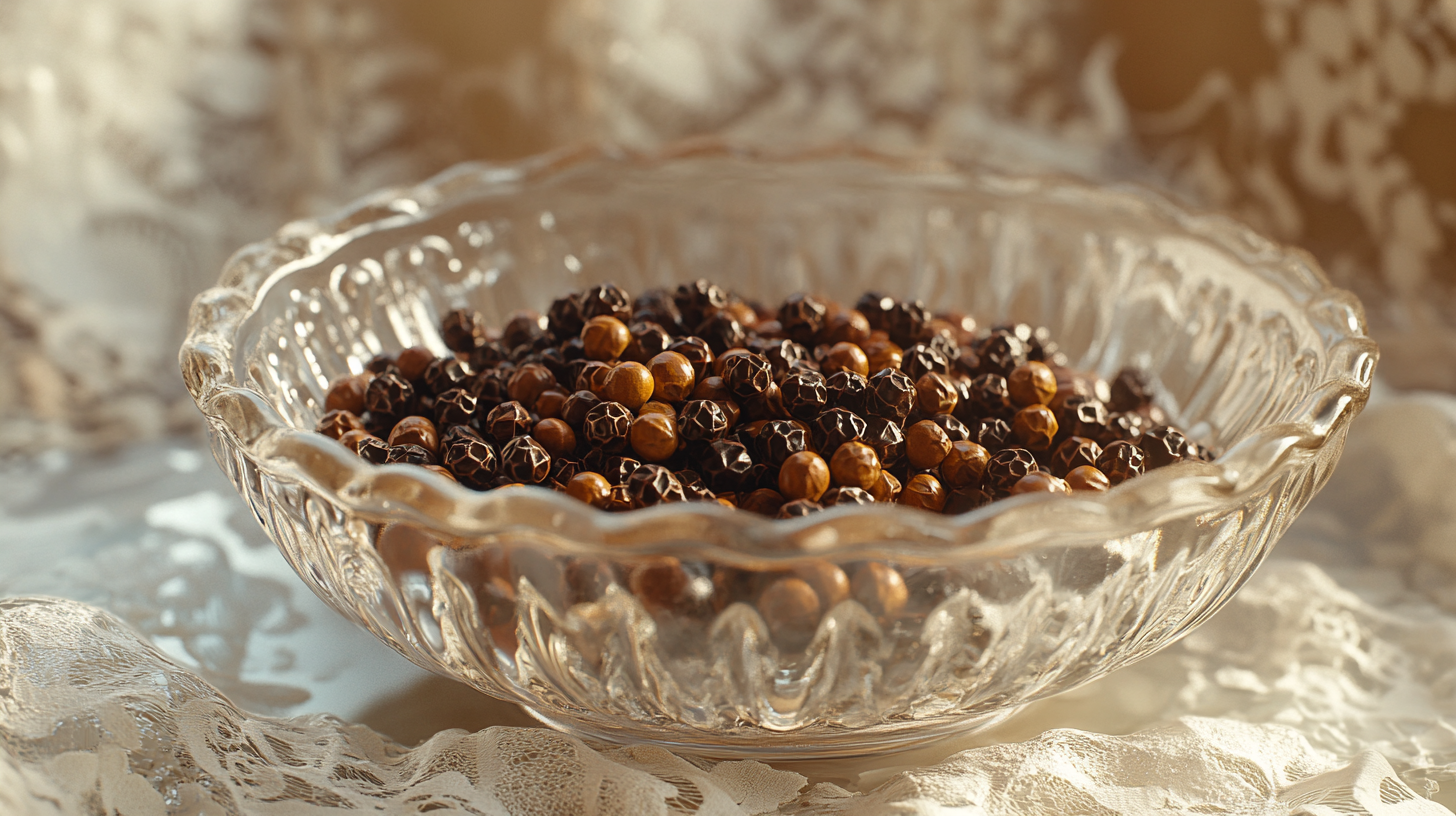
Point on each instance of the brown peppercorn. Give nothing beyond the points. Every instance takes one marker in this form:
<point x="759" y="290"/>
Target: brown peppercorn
<point x="1040" y="482"/>
<point x="336" y="423"/>
<point x="593" y="377"/>
<point x="1163" y="445"/>
<point x="696" y="350"/>
<point x="934" y="394"/>
<point x="524" y="460"/>
<point x="506" y="422"/>
<point x="648" y="340"/>
<point x="672" y="377"/>
<point x="804" y="476"/>
<point x="1088" y="477"/>
<point x="654" y="437"/>
<point x="883" y="354"/>
<point x="923" y="491"/>
<point x="887" y="489"/>
<point x="1035" y="427"/>
<point x="1007" y="467"/>
<point x="528" y="382"/>
<point x="651" y="485"/>
<point x="463" y="329"/>
<point x="1130" y="390"/>
<point x="848" y="326"/>
<point x="964" y="465"/>
<point x="604" y="338"/>
<point x="764" y="501"/>
<point x="630" y="384"/>
<point x="592" y="488"/>
<point x="1074" y="452"/>
<point x="926" y="445"/>
<point x="347" y="394"/>
<point x="389" y="395"/>
<point x="1121" y="460"/>
<point x="662" y="585"/>
<point x="657" y="407"/>
<point x="712" y="388"/>
<point x="413" y="361"/>
<point x="966" y="499"/>
<point x="880" y="589"/>
<point x="791" y="608"/>
<point x="551" y="403"/>
<point x="846" y="357"/>
<point x="577" y="405"/>
<point x="827" y="580"/>
<point x="555" y="436"/>
<point x="855" y="464"/>
<point x="607" y="426"/>
<point x="416" y="430"/>
<point x="1031" y="383"/>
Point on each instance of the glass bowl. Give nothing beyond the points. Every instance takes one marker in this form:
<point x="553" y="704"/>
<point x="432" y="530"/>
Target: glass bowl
<point x="642" y="626"/>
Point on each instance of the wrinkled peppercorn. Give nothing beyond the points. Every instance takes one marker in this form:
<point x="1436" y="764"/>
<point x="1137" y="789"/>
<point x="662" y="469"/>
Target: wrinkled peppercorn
<point x="373" y="449"/>
<point x="606" y="299"/>
<point x="524" y="460"/>
<point x="835" y="496"/>
<point x="726" y="465"/>
<point x="887" y="439"/>
<point x="955" y="430"/>
<point x="697" y="353"/>
<point x="846" y="390"/>
<point x="891" y="395"/>
<point x="1130" y="390"/>
<point x="651" y="485"/>
<point x="1084" y="416"/>
<point x="1000" y="353"/>
<point x="577" y="405"/>
<point x="702" y="421"/>
<point x="699" y="299"/>
<point x="835" y="427"/>
<point x="721" y="332"/>
<point x="472" y="460"/>
<point x="1121" y="461"/>
<point x="1073" y="453"/>
<point x="1007" y="467"/>
<point x="416" y="430"/>
<point x="1163" y="446"/>
<point x="778" y="440"/>
<point x="784" y="356"/>
<point x="855" y="464"/>
<point x="921" y="359"/>
<point x="804" y="393"/>
<point x="335" y="424"/>
<point x="648" y="340"/>
<point x="506" y="422"/>
<point x="798" y="508"/>
<point x="607" y="426"/>
<point x="966" y="499"/>
<point x="389" y="395"/>
<point x="409" y="455"/>
<point x="801" y="317"/>
<point x="456" y="407"/>
<point x="747" y="375"/>
<point x="462" y="329"/>
<point x="905" y="320"/>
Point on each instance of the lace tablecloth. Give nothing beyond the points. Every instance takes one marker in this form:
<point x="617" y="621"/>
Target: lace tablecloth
<point x="178" y="666"/>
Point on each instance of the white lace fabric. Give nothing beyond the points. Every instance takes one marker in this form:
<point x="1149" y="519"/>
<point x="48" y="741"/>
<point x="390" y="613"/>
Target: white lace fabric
<point x="1324" y="687"/>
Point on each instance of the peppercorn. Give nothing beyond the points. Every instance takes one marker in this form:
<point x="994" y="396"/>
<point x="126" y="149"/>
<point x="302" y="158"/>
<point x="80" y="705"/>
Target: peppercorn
<point x="991" y="434"/>
<point x="651" y="485"/>
<point x="1084" y="416"/>
<point x="846" y="357"/>
<point x="550" y="404"/>
<point x="524" y="460"/>
<point x="801" y="317"/>
<point x="1035" y="427"/>
<point x="934" y="394"/>
<point x="1074" y="452"/>
<point x="1040" y="482"/>
<point x="654" y="437"/>
<point x="456" y="407"/>
<point x="657" y="407"/>
<point x="347" y="394"/>
<point x="1163" y="445"/>
<point x="694" y="488"/>
<point x="923" y="491"/>
<point x="721" y="332"/>
<point x="835" y="427"/>
<point x="589" y="487"/>
<point x="803" y="475"/>
<point x="725" y="465"/>
<point x="409" y="455"/>
<point x="746" y="374"/>
<point x="604" y="338"/>
<point x="1127" y="426"/>
<point x="1121" y="460"/>
<point x="891" y="395"/>
<point x="462" y="329"/>
<point x="555" y="436"/>
<point x="702" y="421"/>
<point x="471" y="459"/>
<point x="848" y="326"/>
<point x="648" y="339"/>
<point x="964" y="465"/>
<point x="699" y="299"/>
<point x="413" y="361"/>
<point x="606" y="299"/>
<point x="336" y="423"/>
<point x="416" y="430"/>
<point x="1031" y="383"/>
<point x="923" y="358"/>
<point x="1000" y="353"/>
<point x="777" y="440"/>
<point x="835" y="496"/>
<point x="855" y="464"/>
<point x="672" y="376"/>
<point x="577" y="405"/>
<point x="389" y="395"/>
<point x="351" y="439"/>
<point x="880" y="589"/>
<point x="373" y="449"/>
<point x="966" y="499"/>
<point x="1007" y="466"/>
<point x="1130" y="390"/>
<point x="764" y="501"/>
<point x="630" y="384"/>
<point x="607" y="426"/>
<point x="882" y="354"/>
<point x="905" y="320"/>
<point x="528" y="382"/>
<point x="1088" y="477"/>
<point x="783" y="355"/>
<point x="506" y="422"/>
<point x="381" y="364"/>
<point x="657" y="306"/>
<point x="846" y="390"/>
<point x="926" y="445"/>
<point x="887" y="489"/>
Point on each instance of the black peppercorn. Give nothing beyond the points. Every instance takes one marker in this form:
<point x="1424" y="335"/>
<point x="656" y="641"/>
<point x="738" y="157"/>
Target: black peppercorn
<point x="471" y="459"/>
<point x="966" y="499"/>
<point x="804" y="393"/>
<point x="1084" y="416"/>
<point x="1075" y="452"/>
<point x="891" y="395"/>
<point x="607" y="300"/>
<point x="698" y="300"/>
<point x="506" y="422"/>
<point x="389" y="395"/>
<point x="887" y="439"/>
<point x="523" y="328"/>
<point x="990" y="396"/>
<point x="563" y="318"/>
<point x="780" y="439"/>
<point x="657" y="306"/>
<point x="801" y="317"/>
<point x="1007" y="467"/>
<point x="835" y="427"/>
<point x="726" y="465"/>
<point x="836" y="496"/>
<point x="747" y="375"/>
<point x="1130" y="390"/>
<point x="782" y="355"/>
<point x="702" y="421"/>
<point x="954" y="429"/>
<point x="1000" y="353"/>
<point x="373" y="449"/>
<point x="455" y="407"/>
<point x="696" y="350"/>
<point x="876" y="309"/>
<point x="525" y="461"/>
<point x="462" y="329"/>
<point x="335" y="424"/>
<point x="444" y="374"/>
<point x="410" y="455"/>
<point x="798" y="508"/>
<point x="1128" y="427"/>
<point x="651" y="485"/>
<point x="1163" y="445"/>
<point x="648" y="340"/>
<point x="607" y="426"/>
<point x="847" y="390"/>
<point x="563" y="470"/>
<point x="1121" y="461"/>
<point x="921" y="359"/>
<point x="905" y="321"/>
<point x="721" y="332"/>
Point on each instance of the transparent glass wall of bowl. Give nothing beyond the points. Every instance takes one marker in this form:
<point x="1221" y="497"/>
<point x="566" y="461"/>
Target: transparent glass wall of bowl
<point x="1115" y="279"/>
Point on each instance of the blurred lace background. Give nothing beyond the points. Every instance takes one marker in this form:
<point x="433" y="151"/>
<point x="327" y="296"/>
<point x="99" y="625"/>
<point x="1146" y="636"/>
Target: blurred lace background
<point x="141" y="141"/>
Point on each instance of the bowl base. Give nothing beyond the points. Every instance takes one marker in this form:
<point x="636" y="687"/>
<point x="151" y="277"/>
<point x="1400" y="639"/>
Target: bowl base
<point x="818" y="743"/>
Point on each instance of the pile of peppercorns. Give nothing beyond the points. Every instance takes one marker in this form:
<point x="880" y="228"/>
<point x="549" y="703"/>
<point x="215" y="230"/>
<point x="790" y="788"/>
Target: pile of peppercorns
<point x="697" y="395"/>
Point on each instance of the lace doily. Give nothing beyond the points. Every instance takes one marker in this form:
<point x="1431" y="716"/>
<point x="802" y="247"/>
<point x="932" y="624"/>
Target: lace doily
<point x="1324" y="687"/>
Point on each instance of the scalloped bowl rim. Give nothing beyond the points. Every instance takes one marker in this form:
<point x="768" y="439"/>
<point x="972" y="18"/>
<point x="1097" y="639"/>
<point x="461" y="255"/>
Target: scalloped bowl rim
<point x="407" y="493"/>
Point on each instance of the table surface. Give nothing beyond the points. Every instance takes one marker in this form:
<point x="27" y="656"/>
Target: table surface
<point x="1337" y="660"/>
